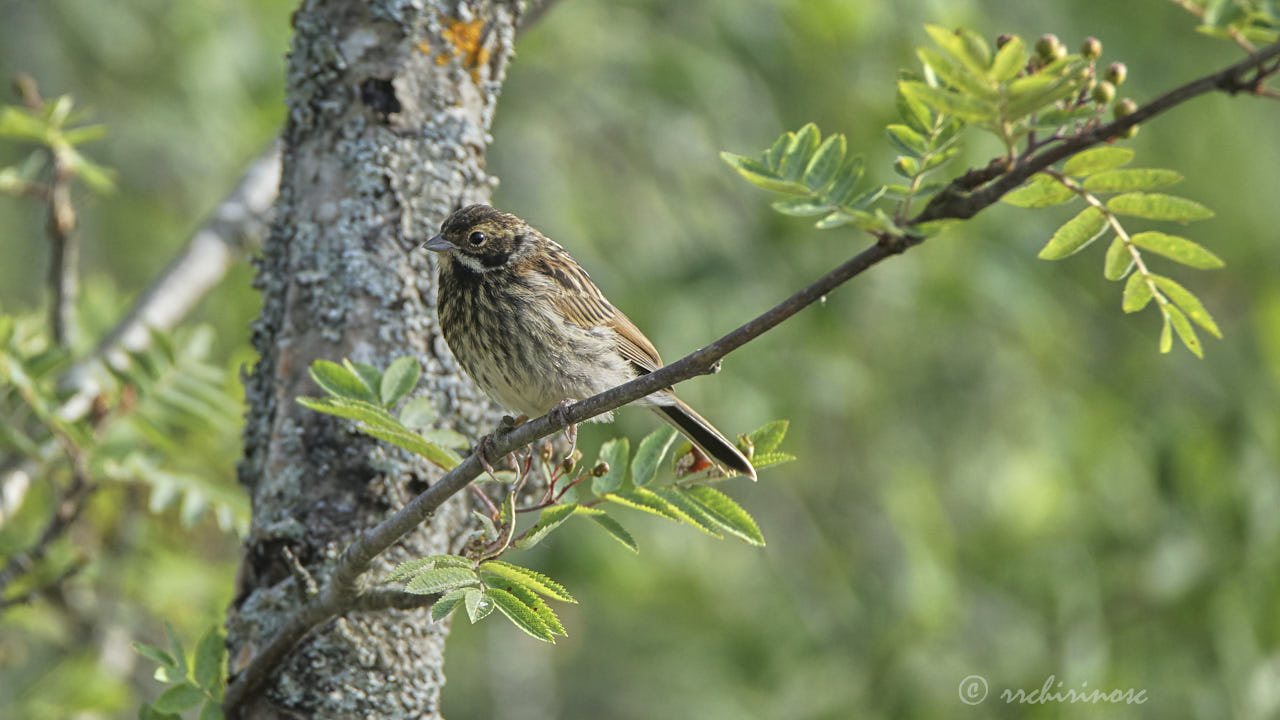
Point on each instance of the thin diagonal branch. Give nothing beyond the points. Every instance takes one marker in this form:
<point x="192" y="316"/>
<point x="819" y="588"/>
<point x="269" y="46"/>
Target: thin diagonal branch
<point x="342" y="593"/>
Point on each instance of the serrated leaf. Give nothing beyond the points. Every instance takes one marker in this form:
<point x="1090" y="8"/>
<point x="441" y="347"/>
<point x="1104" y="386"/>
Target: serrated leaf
<point x="802" y="148"/>
<point x="340" y="382"/>
<point x="539" y="606"/>
<point x="178" y="698"/>
<point x="616" y="531"/>
<point x="1186" y="333"/>
<point x="1189" y="303"/>
<point x="773" y="156"/>
<point x="211" y="657"/>
<point x="450" y="602"/>
<point x="1131" y="179"/>
<point x="727" y="513"/>
<point x="964" y="45"/>
<point x="441" y="579"/>
<point x="531" y="579"/>
<point x="649" y="454"/>
<point x="401" y="377"/>
<point x="755" y="172"/>
<point x="175" y="646"/>
<point x="417" y="413"/>
<point x="478" y="604"/>
<point x="415" y="444"/>
<point x="1118" y="260"/>
<point x="914" y="113"/>
<point x="549" y="519"/>
<point x="845" y="186"/>
<point x="521" y="615"/>
<point x="409" y="568"/>
<point x="367" y="373"/>
<point x="646" y="500"/>
<point x="769" y="436"/>
<point x="1075" y="234"/>
<point x="155" y="654"/>
<point x="1039" y="192"/>
<point x="825" y="162"/>
<point x="690" y="511"/>
<point x="446" y="438"/>
<point x="1032" y="94"/>
<point x="1178" y="249"/>
<point x="760" y="461"/>
<point x="950" y="103"/>
<point x="1137" y="293"/>
<point x="1157" y="206"/>
<point x="801" y="207"/>
<point x="615" y="452"/>
<point x="1010" y="59"/>
<point x="1097" y="160"/>
<point x="956" y="75"/>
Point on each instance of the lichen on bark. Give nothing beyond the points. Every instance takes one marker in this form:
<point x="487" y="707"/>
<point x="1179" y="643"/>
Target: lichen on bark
<point x="386" y="133"/>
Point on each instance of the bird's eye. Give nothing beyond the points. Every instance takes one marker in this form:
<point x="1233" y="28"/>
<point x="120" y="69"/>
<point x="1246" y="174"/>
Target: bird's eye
<point x="476" y="238"/>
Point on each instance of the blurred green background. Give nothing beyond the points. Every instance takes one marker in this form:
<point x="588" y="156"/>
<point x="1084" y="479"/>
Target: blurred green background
<point x="999" y="475"/>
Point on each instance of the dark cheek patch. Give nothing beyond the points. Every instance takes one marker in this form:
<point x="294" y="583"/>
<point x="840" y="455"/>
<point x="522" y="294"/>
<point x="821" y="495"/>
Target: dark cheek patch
<point x="494" y="259"/>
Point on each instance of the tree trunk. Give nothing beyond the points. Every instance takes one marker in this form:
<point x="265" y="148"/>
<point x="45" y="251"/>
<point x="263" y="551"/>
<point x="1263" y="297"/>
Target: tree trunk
<point x="390" y="105"/>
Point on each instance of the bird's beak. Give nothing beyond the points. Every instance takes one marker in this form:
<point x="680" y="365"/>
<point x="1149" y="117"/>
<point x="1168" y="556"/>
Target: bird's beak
<point x="438" y="244"/>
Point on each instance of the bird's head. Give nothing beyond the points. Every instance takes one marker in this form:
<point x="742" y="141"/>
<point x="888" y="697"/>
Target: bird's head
<point x="483" y="238"/>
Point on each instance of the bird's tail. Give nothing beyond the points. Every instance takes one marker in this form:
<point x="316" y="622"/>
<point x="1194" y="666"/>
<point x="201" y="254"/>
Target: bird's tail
<point x="704" y="435"/>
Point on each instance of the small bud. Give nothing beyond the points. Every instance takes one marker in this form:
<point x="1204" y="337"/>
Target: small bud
<point x="570" y="462"/>
<point x="600" y="469"/>
<point x="1124" y="107"/>
<point x="1049" y="47"/>
<point x="1116" y="73"/>
<point x="1091" y="49"/>
<point x="1002" y="40"/>
<point x="1129" y="132"/>
<point x="1104" y="92"/>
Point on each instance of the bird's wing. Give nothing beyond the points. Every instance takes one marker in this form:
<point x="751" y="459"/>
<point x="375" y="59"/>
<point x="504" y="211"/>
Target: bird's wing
<point x="582" y="303"/>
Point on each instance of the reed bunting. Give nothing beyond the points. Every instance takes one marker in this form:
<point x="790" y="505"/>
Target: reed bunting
<point x="529" y="326"/>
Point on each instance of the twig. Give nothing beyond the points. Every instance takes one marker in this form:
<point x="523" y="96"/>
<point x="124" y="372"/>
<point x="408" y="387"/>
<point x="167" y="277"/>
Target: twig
<point x="342" y="591"/>
<point x="235" y="228"/>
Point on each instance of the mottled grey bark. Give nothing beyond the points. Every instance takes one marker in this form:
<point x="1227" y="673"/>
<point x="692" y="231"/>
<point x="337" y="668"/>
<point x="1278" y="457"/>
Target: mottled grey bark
<point x="390" y="103"/>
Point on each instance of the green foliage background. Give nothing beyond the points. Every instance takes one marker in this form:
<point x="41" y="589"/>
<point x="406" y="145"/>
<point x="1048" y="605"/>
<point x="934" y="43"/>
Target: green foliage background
<point x="998" y="473"/>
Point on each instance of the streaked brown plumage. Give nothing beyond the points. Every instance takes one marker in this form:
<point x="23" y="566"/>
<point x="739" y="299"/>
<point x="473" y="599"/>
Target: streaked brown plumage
<point x="528" y="324"/>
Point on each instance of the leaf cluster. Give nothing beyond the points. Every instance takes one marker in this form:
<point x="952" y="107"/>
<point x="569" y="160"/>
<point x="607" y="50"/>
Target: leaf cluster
<point x="193" y="680"/>
<point x="56" y="128"/>
<point x="1100" y="172"/>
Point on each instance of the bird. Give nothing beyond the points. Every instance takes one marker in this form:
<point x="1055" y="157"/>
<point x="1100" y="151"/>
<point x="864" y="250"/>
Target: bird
<point x="529" y="326"/>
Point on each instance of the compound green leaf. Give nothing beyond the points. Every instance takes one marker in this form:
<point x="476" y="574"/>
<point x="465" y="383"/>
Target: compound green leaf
<point x="949" y="103"/>
<point x="755" y="172"/>
<point x="690" y="511"/>
<point x="799" y="152"/>
<point x="825" y="162"/>
<point x="646" y="500"/>
<point x="450" y="602"/>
